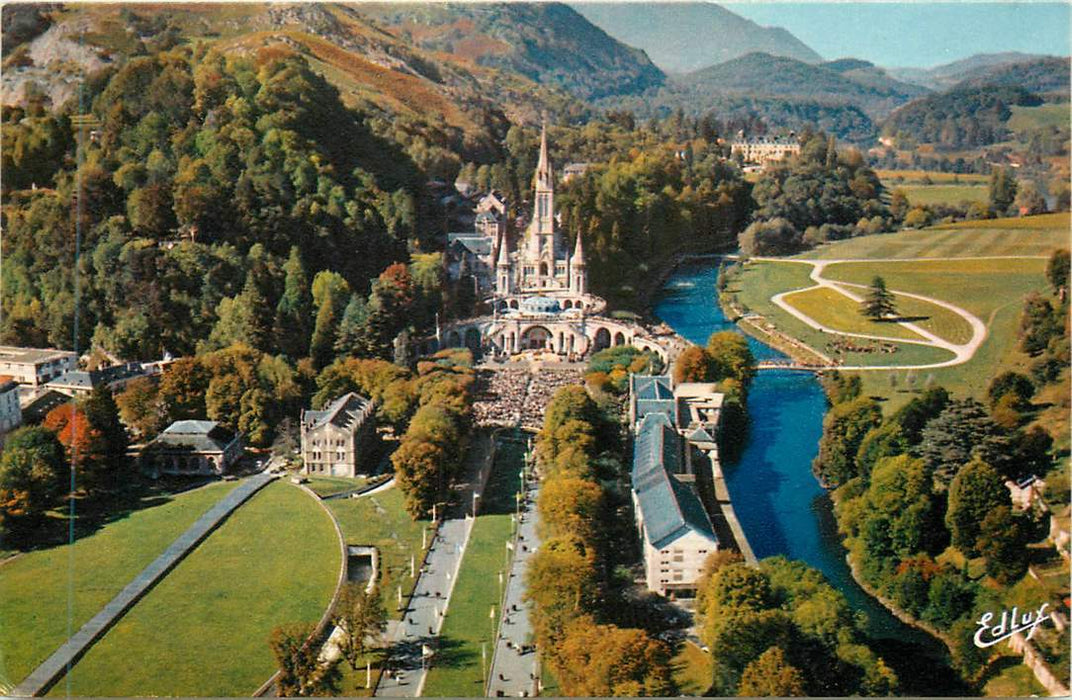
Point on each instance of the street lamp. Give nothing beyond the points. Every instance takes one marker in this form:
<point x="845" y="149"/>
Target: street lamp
<point x="475" y="496"/>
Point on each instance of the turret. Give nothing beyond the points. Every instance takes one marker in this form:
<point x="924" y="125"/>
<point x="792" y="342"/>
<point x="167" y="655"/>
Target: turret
<point x="502" y="270"/>
<point x="578" y="269"/>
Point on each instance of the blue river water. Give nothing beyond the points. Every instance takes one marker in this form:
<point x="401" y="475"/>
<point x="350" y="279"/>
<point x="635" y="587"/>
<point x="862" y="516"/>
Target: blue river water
<point x="779" y="502"/>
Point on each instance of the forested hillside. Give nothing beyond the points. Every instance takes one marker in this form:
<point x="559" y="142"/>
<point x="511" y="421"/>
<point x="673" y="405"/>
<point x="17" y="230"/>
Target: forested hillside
<point x="961" y="117"/>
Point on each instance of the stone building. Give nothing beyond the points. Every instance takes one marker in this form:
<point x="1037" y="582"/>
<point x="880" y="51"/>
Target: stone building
<point x="35" y="366"/>
<point x="765" y="149"/>
<point x="192" y="448"/>
<point x="338" y="441"/>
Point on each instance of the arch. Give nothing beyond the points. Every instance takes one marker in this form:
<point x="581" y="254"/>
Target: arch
<point x="513" y="303"/>
<point x="561" y="346"/>
<point x="536" y="338"/>
<point x="472" y="339"/>
<point x="454" y="339"/>
<point x="568" y="304"/>
<point x="543" y="269"/>
<point x="619" y="339"/>
<point x="602" y="339"/>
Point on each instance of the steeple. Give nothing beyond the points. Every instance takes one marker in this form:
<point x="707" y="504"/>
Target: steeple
<point x="578" y="269"/>
<point x="544" y="176"/>
<point x="578" y="252"/>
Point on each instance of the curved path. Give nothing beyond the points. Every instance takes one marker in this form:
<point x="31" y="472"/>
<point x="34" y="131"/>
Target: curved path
<point x="961" y="352"/>
<point x="56" y="665"/>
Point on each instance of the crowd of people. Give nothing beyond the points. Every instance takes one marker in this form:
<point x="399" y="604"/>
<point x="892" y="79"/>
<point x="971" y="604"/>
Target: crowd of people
<point x="511" y="397"/>
<point x="842" y="345"/>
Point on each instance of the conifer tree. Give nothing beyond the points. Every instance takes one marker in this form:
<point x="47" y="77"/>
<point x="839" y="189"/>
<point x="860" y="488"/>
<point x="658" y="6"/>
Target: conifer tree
<point x="879" y="301"/>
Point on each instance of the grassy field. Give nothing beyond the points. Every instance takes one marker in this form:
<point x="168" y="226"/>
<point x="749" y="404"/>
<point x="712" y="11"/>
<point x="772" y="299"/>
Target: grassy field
<point x="1031" y="235"/>
<point x="204" y="629"/>
<point x="691" y="668"/>
<point x="457" y="668"/>
<point x="759" y="281"/>
<point x="893" y="178"/>
<point x="922" y="195"/>
<point x="835" y="310"/>
<point x="328" y="485"/>
<point x="1027" y="118"/>
<point x="993" y="290"/>
<point x="381" y="520"/>
<point x="33" y="587"/>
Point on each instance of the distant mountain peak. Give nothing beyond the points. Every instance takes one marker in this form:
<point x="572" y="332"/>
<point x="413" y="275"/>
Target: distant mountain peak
<point x="681" y="37"/>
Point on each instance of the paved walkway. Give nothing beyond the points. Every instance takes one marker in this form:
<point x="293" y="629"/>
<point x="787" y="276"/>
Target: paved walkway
<point x="514" y="671"/>
<point x="423" y="618"/>
<point x="55" y="666"/>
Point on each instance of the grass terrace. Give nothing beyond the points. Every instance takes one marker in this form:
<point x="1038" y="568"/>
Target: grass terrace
<point x="203" y="630"/>
<point x="34" y="586"/>
<point x="837" y="311"/>
<point x="456" y="670"/>
<point x="1030" y="235"/>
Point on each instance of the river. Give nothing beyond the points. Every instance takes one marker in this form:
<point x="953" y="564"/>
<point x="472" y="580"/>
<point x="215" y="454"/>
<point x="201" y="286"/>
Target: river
<point x="781" y="506"/>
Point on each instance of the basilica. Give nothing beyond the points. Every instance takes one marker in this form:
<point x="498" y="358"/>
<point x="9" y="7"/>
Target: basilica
<point x="539" y="297"/>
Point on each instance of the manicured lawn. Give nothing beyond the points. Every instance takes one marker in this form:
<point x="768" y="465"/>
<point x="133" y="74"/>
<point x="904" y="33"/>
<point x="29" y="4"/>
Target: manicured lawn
<point x="947" y="325"/>
<point x="759" y="281"/>
<point x="457" y="667"/>
<point x="204" y="629"/>
<point x="921" y="195"/>
<point x="1031" y="235"/>
<point x="381" y="520"/>
<point x="835" y="310"/>
<point x="692" y="669"/>
<point x="33" y="587"/>
<point x="328" y="485"/>
<point x="891" y="178"/>
<point x="993" y="290"/>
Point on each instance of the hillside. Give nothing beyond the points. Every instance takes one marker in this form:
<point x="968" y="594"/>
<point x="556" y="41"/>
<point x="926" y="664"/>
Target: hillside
<point x="548" y="43"/>
<point x="960" y="118"/>
<point x="947" y="75"/>
<point x="681" y="37"/>
<point x="854" y="83"/>
<point x="1048" y="75"/>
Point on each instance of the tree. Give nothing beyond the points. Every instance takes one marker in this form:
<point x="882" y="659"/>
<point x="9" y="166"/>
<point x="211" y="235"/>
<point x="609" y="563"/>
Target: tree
<point x="570" y="506"/>
<point x="777" y="236"/>
<point x="975" y="493"/>
<point x="692" y="365"/>
<point x="1002" y="190"/>
<point x="1014" y="384"/>
<point x="949" y="597"/>
<point x="879" y="302"/>
<point x="1057" y="270"/>
<point x="139" y="407"/>
<point x="32" y="473"/>
<point x="961" y="431"/>
<point x="295" y="308"/>
<point x="82" y="443"/>
<point x="330" y="295"/>
<point x="844" y="429"/>
<point x="361" y="616"/>
<point x="300" y="674"/>
<point x="1029" y="201"/>
<point x="606" y="660"/>
<point x="182" y="389"/>
<point x="771" y="675"/>
<point x="731" y="357"/>
<point x="1003" y="541"/>
<point x="102" y="414"/>
<point x="562" y="584"/>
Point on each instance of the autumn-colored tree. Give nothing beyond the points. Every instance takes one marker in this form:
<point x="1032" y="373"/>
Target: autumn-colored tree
<point x="300" y="673"/>
<point x="569" y="506"/>
<point x="562" y="584"/>
<point x="419" y="468"/>
<point x="771" y="675"/>
<point x="608" y="661"/>
<point x="182" y="389"/>
<point x="140" y="408"/>
<point x="731" y="357"/>
<point x="83" y="444"/>
<point x="692" y="365"/>
<point x="32" y="471"/>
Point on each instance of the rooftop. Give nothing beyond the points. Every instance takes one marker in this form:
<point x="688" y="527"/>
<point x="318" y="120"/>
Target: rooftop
<point x="344" y="412"/>
<point x="195" y="435"/>
<point x="10" y="353"/>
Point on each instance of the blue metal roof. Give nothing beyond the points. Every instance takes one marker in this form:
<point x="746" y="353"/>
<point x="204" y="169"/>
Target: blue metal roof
<point x="654" y="388"/>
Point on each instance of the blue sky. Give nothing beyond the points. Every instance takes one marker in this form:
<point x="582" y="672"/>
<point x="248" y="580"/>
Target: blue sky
<point x="916" y="33"/>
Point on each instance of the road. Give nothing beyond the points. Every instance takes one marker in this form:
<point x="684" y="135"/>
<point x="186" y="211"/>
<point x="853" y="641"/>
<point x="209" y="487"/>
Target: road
<point x="514" y="671"/>
<point x="423" y="618"/>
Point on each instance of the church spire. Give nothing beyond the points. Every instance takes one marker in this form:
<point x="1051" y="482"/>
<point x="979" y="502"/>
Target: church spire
<point x="578" y="252"/>
<point x="544" y="176"/>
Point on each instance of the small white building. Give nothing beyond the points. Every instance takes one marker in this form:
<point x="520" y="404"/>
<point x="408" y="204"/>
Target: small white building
<point x="192" y="448"/>
<point x="675" y="530"/>
<point x="35" y="366"/>
<point x="10" y="411"/>
<point x="338" y="440"/>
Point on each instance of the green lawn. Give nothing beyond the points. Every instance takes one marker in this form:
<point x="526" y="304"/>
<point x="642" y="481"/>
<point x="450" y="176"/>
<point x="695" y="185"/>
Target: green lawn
<point x="1015" y="680"/>
<point x="204" y="629"/>
<point x="922" y="195"/>
<point x="1030" y="235"/>
<point x="457" y="668"/>
<point x="692" y="669"/>
<point x="759" y="281"/>
<point x="892" y="178"/>
<point x="835" y="310"/>
<point x="33" y="587"/>
<point x="328" y="485"/>
<point x="947" y="325"/>
<point x="381" y="520"/>
<point x="993" y="290"/>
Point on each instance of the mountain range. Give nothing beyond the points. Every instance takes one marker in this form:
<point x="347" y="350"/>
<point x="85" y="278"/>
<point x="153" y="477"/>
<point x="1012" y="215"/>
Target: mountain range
<point x="681" y="37"/>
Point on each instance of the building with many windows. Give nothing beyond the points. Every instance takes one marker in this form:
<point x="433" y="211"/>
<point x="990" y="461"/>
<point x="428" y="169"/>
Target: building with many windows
<point x="35" y="366"/>
<point x="192" y="448"/>
<point x="765" y="149"/>
<point x="10" y="411"/>
<point x="338" y="441"/>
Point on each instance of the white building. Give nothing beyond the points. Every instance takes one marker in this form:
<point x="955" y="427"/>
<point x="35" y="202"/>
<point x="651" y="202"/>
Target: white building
<point x="675" y="530"/>
<point x="338" y="440"/>
<point x="10" y="411"/>
<point x="35" y="366"/>
<point x="765" y="149"/>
